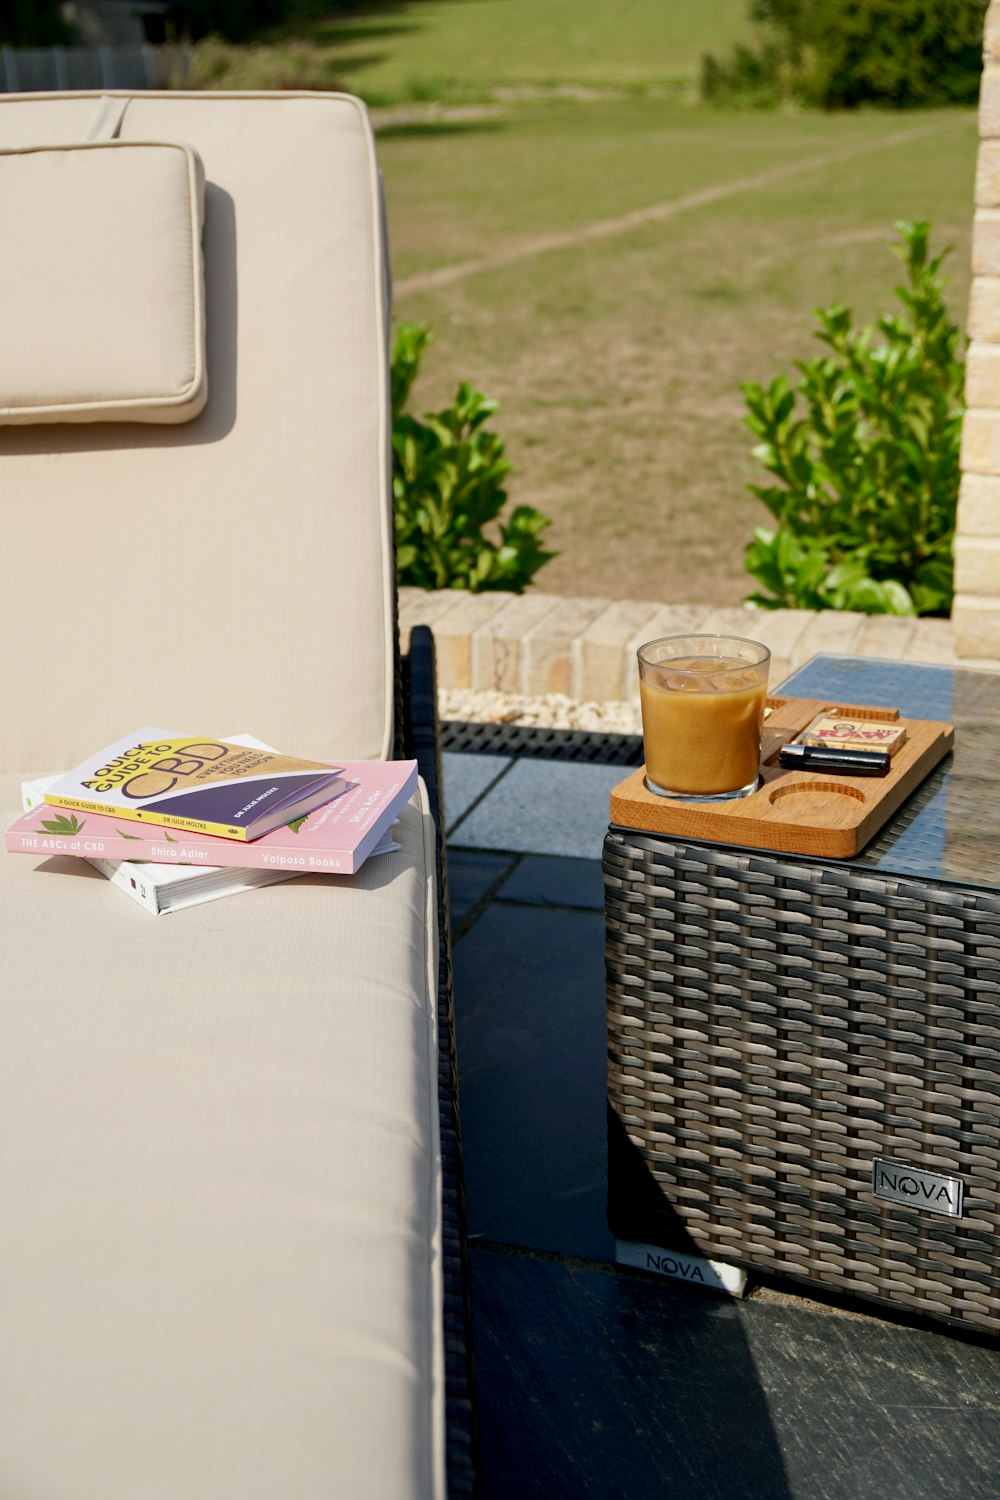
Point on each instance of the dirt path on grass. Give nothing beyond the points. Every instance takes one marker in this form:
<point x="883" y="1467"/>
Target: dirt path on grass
<point x="601" y="229"/>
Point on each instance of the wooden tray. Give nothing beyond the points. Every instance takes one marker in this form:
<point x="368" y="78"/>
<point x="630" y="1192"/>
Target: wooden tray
<point x="795" y="812"/>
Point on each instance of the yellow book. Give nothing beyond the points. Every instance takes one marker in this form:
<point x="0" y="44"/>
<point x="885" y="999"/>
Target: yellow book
<point x="198" y="783"/>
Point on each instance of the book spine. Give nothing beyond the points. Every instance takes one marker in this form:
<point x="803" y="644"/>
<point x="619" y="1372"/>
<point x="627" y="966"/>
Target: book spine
<point x="285" y="858"/>
<point x="118" y="872"/>
<point x="227" y="854"/>
<point x="140" y="815"/>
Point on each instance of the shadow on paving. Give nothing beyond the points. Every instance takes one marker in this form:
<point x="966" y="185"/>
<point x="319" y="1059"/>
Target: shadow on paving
<point x="591" y="1382"/>
<point x="594" y="1383"/>
<point x="529" y="1011"/>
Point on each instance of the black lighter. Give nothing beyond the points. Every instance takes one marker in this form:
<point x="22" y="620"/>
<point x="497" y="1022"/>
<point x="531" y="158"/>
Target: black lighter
<point x="835" y="758"/>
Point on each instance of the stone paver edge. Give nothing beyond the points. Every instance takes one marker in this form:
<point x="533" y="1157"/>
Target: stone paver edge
<point x="537" y="644"/>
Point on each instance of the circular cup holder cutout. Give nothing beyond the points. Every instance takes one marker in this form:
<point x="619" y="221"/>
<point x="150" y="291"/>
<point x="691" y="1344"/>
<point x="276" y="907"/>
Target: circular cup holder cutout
<point x="813" y="801"/>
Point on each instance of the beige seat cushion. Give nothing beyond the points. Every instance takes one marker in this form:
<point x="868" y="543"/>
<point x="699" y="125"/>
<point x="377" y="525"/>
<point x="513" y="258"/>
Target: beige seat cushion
<point x="219" y="1172"/>
<point x="101" y="283"/>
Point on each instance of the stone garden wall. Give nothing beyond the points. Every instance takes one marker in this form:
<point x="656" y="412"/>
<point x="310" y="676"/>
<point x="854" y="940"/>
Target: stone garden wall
<point x="976" y="611"/>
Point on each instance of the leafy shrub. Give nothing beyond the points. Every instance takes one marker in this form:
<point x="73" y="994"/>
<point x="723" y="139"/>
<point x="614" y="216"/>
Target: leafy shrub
<point x="911" y="54"/>
<point x="868" y="478"/>
<point x="758" y="77"/>
<point x="908" y="54"/>
<point x="217" y="64"/>
<point x="448" y="474"/>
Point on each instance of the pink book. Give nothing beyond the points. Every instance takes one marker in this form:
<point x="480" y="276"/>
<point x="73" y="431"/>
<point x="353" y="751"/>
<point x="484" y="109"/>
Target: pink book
<point x="335" y="838"/>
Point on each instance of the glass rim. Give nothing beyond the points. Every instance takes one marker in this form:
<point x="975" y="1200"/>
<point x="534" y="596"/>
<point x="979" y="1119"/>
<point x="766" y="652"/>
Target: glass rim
<point x="762" y="657"/>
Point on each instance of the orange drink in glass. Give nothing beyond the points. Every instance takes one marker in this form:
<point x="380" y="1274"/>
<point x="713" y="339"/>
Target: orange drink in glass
<point x="702" y="700"/>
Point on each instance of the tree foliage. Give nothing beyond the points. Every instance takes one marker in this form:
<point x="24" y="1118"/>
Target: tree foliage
<point x="31" y="23"/>
<point x="235" y="20"/>
<point x="245" y="20"/>
<point x="905" y="54"/>
<point x="40" y="23"/>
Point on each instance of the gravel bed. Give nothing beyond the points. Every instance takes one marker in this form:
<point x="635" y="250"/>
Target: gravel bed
<point x="554" y="711"/>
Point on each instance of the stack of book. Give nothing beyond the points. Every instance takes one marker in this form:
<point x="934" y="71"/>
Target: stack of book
<point x="174" y="820"/>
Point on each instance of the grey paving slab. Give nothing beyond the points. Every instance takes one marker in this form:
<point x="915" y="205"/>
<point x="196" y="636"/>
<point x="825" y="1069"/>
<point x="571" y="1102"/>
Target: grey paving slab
<point x="471" y="875"/>
<point x="467" y="777"/>
<point x="532" y="1049"/>
<point x="552" y="880"/>
<point x="543" y="807"/>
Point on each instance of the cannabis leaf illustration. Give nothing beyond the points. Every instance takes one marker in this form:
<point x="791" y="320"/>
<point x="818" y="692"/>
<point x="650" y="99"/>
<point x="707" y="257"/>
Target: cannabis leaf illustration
<point x="296" y="825"/>
<point x="124" y="835"/>
<point x="62" y="824"/>
<point x="169" y="839"/>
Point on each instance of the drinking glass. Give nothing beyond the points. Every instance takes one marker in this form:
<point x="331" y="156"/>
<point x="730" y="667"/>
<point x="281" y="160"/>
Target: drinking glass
<point x="702" y="700"/>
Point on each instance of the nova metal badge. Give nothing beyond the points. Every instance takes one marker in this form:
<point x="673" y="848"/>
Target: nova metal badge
<point x="932" y="1192"/>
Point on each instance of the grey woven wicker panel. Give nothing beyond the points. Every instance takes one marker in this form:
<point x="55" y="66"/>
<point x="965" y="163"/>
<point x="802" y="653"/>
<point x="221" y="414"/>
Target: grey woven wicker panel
<point x="774" y="1025"/>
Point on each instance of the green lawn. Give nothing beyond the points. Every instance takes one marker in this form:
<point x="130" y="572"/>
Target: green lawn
<point x="516" y="136"/>
<point x="468" y="48"/>
<point x="618" y="359"/>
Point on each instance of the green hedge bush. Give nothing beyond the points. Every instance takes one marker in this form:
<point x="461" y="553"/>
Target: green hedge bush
<point x="448" y="476"/>
<point x="867" y="479"/>
<point x="214" y="63"/>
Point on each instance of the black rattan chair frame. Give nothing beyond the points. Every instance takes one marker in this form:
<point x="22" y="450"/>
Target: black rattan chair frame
<point x="419" y="738"/>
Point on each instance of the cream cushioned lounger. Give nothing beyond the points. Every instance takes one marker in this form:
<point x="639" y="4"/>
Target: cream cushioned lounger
<point x="220" y="1257"/>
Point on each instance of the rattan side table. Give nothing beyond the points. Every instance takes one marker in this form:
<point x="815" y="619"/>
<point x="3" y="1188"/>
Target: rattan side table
<point x="804" y="1055"/>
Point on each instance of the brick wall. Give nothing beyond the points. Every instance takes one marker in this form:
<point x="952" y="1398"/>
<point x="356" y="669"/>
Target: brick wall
<point x="976" y="612"/>
<point x="535" y="644"/>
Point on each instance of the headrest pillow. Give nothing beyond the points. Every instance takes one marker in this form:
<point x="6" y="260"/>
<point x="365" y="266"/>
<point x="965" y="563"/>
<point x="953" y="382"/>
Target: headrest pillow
<point x="102" y="301"/>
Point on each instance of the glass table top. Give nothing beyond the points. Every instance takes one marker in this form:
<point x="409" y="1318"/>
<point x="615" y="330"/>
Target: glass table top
<point x="949" y="829"/>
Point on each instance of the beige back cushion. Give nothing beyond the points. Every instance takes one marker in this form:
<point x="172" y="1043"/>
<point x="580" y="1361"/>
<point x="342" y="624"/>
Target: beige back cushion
<point x="101" y="286"/>
<point x="232" y="574"/>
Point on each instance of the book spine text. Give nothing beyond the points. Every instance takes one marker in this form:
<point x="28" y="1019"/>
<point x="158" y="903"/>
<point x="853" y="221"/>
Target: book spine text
<point x="157" y="820"/>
